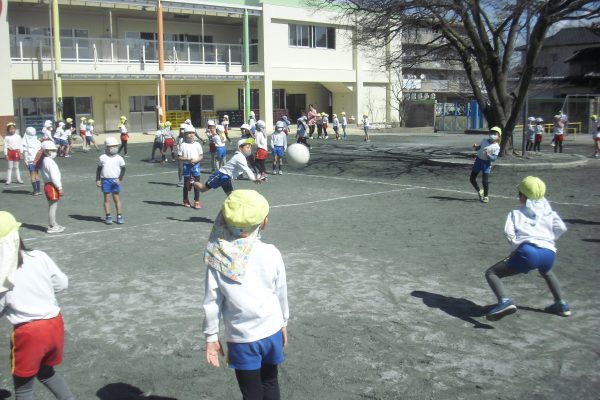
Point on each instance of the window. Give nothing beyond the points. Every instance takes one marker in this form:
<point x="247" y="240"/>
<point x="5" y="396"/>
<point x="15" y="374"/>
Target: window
<point x="83" y="105"/>
<point x="142" y="103"/>
<point x="279" y="98"/>
<point x="176" y="103"/>
<point x="254" y="99"/>
<point x="207" y="102"/>
<point x="311" y="36"/>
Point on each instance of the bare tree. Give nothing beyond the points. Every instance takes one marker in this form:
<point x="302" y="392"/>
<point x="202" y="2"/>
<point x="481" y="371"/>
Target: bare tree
<point x="480" y="35"/>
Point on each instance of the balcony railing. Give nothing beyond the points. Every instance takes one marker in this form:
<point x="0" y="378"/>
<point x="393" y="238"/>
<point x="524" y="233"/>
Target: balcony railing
<point x="129" y="51"/>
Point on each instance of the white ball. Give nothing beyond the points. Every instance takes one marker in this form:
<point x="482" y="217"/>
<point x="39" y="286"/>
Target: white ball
<point x="297" y="155"/>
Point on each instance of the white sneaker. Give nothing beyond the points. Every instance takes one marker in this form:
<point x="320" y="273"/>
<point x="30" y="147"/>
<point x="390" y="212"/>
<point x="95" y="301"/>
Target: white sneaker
<point x="55" y="229"/>
<point x="280" y="172"/>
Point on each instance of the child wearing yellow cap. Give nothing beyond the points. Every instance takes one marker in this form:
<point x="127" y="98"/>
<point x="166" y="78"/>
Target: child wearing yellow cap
<point x="487" y="152"/>
<point x="531" y="231"/>
<point x="13" y="151"/>
<point x="596" y="135"/>
<point x="124" y="135"/>
<point x="30" y="305"/>
<point x="246" y="288"/>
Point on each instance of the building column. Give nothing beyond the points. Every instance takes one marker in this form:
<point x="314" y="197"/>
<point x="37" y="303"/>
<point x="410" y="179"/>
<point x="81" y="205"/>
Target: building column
<point x="264" y="55"/>
<point x="358" y="86"/>
<point x="6" y="105"/>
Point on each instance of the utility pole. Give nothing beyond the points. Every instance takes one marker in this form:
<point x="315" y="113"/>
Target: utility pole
<point x="246" y="66"/>
<point x="57" y="60"/>
<point x="161" y="63"/>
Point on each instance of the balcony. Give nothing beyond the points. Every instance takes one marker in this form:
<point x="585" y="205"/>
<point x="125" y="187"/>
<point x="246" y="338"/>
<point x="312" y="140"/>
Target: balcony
<point x="27" y="48"/>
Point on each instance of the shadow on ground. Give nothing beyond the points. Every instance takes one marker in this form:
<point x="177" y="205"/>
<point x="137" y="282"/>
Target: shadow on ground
<point x="5" y="394"/>
<point x="18" y="191"/>
<point x="193" y="219"/>
<point x="163" y="203"/>
<point x="89" y="218"/>
<point x="163" y="183"/>
<point x="459" y="308"/>
<point x="33" y="228"/>
<point x="446" y="198"/>
<point x="580" y="221"/>
<point x="125" y="391"/>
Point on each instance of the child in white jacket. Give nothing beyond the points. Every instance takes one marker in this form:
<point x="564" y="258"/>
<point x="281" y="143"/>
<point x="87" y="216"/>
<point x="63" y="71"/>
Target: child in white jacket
<point x="53" y="184"/>
<point x="531" y="231"/>
<point x="31" y="147"/>
<point x="246" y="287"/>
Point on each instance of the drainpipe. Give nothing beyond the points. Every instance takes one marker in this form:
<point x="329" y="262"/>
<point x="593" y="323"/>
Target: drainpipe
<point x="57" y="59"/>
<point x="246" y="66"/>
<point x="161" y="62"/>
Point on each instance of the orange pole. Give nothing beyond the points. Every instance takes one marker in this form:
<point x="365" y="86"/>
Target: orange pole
<point x="161" y="61"/>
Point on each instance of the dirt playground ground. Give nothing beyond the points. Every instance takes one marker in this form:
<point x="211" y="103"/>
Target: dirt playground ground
<point x="385" y="256"/>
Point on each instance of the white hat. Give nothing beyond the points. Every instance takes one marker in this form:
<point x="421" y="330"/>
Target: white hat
<point x="47" y="123"/>
<point x="210" y="122"/>
<point x="30" y="130"/>
<point x="61" y="124"/>
<point x="279" y="124"/>
<point x="245" y="126"/>
<point x="220" y="128"/>
<point x="531" y="119"/>
<point x="252" y="113"/>
<point x="260" y="124"/>
<point x="225" y="116"/>
<point x="188" y="121"/>
<point x="539" y="119"/>
<point x="188" y="129"/>
<point x="48" y="145"/>
<point x="111" y="141"/>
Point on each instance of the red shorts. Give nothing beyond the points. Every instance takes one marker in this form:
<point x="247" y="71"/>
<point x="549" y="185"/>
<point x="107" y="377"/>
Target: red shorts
<point x="538" y="138"/>
<point x="13" y="155"/>
<point x="37" y="343"/>
<point x="261" y="154"/>
<point x="559" y="138"/>
<point x="212" y="147"/>
<point x="124" y="138"/>
<point x="82" y="134"/>
<point x="597" y="139"/>
<point x="169" y="142"/>
<point x="51" y="192"/>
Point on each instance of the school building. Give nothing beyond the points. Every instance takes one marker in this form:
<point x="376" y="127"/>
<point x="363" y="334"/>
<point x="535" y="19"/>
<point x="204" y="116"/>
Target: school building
<point x="108" y="63"/>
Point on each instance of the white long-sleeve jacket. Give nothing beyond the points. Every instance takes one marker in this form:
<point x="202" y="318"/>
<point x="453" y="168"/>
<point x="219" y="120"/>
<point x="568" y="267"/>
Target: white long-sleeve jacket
<point x="33" y="298"/>
<point x="260" y="140"/>
<point x="13" y="142"/>
<point x="536" y="223"/>
<point x="51" y="173"/>
<point x="279" y="139"/>
<point x="254" y="309"/>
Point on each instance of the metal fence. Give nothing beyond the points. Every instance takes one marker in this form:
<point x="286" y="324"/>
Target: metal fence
<point x="128" y="51"/>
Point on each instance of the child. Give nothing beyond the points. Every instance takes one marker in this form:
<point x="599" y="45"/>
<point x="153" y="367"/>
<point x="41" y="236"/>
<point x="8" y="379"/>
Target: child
<point x="311" y="120"/>
<point x="212" y="148"/>
<point x="47" y="131"/>
<point x="69" y="130"/>
<point x="159" y="139"/>
<point x="487" y="151"/>
<point x="336" y="126"/>
<point x="124" y="135"/>
<point x="37" y="340"/>
<point x="190" y="154"/>
<point x="13" y="149"/>
<point x="233" y="168"/>
<point x="301" y="133"/>
<point x="245" y="285"/>
<point x="286" y="124"/>
<point x="82" y="130"/>
<point x="57" y="137"/>
<point x="539" y="132"/>
<point x="559" y="131"/>
<point x="531" y="231"/>
<point x="596" y="135"/>
<point x="53" y="183"/>
<point x="169" y="141"/>
<point x="180" y="141"/>
<point x="530" y="133"/>
<point x="344" y="124"/>
<point x="89" y="134"/>
<point x="366" y="127"/>
<point x="31" y="148"/>
<point x="262" y="151"/>
<point x="252" y="122"/>
<point x="246" y="133"/>
<point x="109" y="175"/>
<point x="319" y="123"/>
<point x="325" y="119"/>
<point x="225" y="123"/>
<point x="221" y="150"/>
<point x="279" y="145"/>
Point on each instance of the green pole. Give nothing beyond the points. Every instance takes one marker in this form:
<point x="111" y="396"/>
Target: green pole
<point x="246" y="66"/>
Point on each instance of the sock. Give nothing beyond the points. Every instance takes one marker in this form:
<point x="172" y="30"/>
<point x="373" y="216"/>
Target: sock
<point x="59" y="388"/>
<point x="38" y="186"/>
<point x="33" y="185"/>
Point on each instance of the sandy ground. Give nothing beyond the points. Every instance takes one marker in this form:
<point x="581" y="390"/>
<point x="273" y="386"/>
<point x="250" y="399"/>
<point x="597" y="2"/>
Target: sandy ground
<point x="385" y="257"/>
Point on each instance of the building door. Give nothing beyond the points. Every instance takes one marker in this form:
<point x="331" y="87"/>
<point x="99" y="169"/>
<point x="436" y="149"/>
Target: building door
<point x="296" y="105"/>
<point x="195" y="108"/>
<point x="142" y="113"/>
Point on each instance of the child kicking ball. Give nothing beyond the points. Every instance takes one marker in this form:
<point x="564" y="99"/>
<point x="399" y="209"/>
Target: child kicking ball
<point x="531" y="231"/>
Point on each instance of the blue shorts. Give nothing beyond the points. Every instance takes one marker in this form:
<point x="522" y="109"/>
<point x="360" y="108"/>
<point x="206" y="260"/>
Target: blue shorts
<point x="529" y="257"/>
<point x="158" y="145"/>
<point x="218" y="179"/>
<point x="221" y="152"/>
<point x="481" y="165"/>
<point x="88" y="139"/>
<point x="110" y="186"/>
<point x="278" y="151"/>
<point x="31" y="167"/>
<point x="251" y="356"/>
<point x="191" y="169"/>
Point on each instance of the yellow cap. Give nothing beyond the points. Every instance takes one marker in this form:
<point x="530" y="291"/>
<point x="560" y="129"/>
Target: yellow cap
<point x="245" y="209"/>
<point x="123" y="118"/>
<point x="594" y="117"/>
<point x="532" y="187"/>
<point x="8" y="223"/>
<point x="496" y="129"/>
<point x="10" y="124"/>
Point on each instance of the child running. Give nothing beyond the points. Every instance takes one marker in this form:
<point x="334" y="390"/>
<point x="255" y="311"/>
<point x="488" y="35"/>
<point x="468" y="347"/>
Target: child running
<point x="169" y="141"/>
<point x="37" y="340"/>
<point x="109" y="175"/>
<point x="69" y="131"/>
<point x="225" y="123"/>
<point x="89" y="134"/>
<point x="531" y="230"/>
<point x="539" y="133"/>
<point x="245" y="286"/>
<point x="220" y="147"/>
<point x="279" y="145"/>
<point x="53" y="183"/>
<point x="596" y="135"/>
<point x="31" y="149"/>
<point x="212" y="147"/>
<point x="82" y="130"/>
<point x="47" y="131"/>
<point x="159" y="138"/>
<point x="13" y="150"/>
<point x="124" y="135"/>
<point x="301" y="131"/>
<point x="487" y="151"/>
<point x="233" y="168"/>
<point x="190" y="154"/>
<point x="530" y="134"/>
<point x="344" y="124"/>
